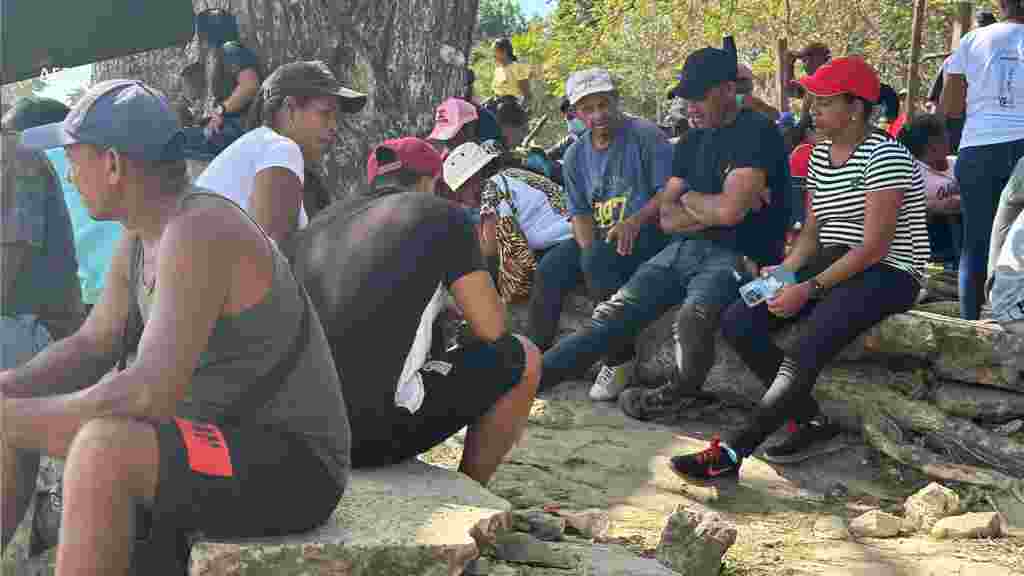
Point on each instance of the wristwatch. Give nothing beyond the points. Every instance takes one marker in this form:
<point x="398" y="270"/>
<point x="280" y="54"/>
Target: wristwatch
<point x="817" y="290"/>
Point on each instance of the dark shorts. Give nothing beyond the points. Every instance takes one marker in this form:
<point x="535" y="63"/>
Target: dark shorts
<point x="228" y="483"/>
<point x="477" y="377"/>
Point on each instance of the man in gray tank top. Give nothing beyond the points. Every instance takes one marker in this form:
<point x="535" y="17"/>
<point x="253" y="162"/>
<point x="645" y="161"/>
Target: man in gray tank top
<point x="233" y="398"/>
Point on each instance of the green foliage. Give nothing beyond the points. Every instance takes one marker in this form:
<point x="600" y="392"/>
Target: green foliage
<point x="497" y="18"/>
<point x="644" y="43"/>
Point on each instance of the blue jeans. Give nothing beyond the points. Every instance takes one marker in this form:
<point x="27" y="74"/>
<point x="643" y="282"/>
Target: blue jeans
<point x="698" y="274"/>
<point x="603" y="272"/>
<point x="201" y="144"/>
<point x="983" y="172"/>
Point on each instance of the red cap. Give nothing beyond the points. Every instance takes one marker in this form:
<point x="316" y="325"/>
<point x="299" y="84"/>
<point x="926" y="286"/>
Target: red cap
<point x="848" y="75"/>
<point x="412" y="153"/>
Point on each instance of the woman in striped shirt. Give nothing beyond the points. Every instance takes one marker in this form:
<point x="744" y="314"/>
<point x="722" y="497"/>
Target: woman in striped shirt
<point x="859" y="258"/>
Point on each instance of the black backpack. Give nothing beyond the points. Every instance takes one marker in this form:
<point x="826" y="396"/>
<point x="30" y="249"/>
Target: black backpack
<point x="215" y="26"/>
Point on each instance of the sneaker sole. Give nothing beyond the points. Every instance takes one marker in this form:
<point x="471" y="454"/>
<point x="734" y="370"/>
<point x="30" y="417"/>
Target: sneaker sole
<point x="830" y="447"/>
<point x="708" y="482"/>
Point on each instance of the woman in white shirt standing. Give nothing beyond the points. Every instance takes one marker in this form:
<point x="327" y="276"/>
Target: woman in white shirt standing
<point x="984" y="84"/>
<point x="293" y="121"/>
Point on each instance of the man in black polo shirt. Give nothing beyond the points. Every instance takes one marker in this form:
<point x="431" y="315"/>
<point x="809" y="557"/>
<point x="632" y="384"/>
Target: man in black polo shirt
<point x="379" y="268"/>
<point x="727" y="206"/>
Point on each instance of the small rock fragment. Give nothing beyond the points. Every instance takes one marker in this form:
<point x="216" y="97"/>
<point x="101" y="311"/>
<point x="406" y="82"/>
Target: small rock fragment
<point x="479" y="567"/>
<point x="591" y="523"/>
<point x="520" y="548"/>
<point x="540" y="524"/>
<point x="876" y="524"/>
<point x="929" y="505"/>
<point x="1011" y="427"/>
<point x="973" y="525"/>
<point x="831" y="528"/>
<point x="694" y="541"/>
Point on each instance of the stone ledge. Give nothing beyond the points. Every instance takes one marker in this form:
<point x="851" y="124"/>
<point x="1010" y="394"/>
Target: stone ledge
<point x="412" y="519"/>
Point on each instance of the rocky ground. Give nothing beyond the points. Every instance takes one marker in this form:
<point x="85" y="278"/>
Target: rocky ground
<point x="582" y="455"/>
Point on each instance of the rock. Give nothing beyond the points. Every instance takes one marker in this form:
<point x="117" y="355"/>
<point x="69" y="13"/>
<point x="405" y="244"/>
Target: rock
<point x="1011" y="427"/>
<point x="592" y="523"/>
<point x="929" y="505"/>
<point x="614" y="560"/>
<point x="973" y="525"/>
<point x="520" y="548"/>
<point x="876" y="524"/>
<point x="540" y="524"/>
<point x="411" y="518"/>
<point x="480" y="567"/>
<point x="831" y="528"/>
<point x="695" y="540"/>
<point x="978" y="402"/>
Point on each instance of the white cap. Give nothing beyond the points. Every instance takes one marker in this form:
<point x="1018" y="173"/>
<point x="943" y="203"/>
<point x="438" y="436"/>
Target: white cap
<point x="587" y="82"/>
<point x="465" y="161"/>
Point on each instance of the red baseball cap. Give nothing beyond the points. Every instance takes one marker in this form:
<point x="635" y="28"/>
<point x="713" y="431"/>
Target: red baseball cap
<point x="848" y="75"/>
<point x="410" y="153"/>
<point x="450" y="117"/>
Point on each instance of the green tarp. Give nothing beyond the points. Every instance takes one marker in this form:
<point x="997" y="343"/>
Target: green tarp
<point x="38" y="34"/>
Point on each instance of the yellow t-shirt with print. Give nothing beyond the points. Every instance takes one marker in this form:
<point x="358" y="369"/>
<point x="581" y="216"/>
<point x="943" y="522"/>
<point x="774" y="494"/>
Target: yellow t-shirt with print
<point x="506" y="79"/>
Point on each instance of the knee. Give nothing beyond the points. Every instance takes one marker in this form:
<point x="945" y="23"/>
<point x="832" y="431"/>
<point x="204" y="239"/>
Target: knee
<point x="534" y="361"/>
<point x="110" y="445"/>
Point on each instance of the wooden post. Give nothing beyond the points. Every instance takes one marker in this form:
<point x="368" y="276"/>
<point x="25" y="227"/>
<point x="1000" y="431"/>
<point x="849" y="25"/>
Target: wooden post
<point x="915" y="54"/>
<point x="782" y="80"/>
<point x="961" y="23"/>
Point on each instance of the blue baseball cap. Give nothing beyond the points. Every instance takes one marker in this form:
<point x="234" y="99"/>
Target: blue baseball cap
<point x="126" y="115"/>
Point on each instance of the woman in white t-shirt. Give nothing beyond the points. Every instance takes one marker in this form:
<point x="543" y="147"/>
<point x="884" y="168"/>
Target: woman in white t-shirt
<point x="928" y="142"/>
<point x="984" y="84"/>
<point x="269" y="170"/>
<point x="522" y="214"/>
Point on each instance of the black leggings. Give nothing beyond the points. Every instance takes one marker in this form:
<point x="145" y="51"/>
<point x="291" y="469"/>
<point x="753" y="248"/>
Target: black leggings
<point x="846" y="311"/>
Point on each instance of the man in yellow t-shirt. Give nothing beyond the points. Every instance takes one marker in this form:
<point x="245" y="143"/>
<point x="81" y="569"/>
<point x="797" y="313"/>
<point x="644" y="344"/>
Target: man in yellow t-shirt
<point x="511" y="78"/>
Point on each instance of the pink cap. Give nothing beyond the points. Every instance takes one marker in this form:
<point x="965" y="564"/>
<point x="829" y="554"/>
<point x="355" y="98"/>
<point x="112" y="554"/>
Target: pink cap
<point x="450" y="117"/>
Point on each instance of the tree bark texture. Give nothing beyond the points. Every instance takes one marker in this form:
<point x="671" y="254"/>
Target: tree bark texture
<point x="390" y="49"/>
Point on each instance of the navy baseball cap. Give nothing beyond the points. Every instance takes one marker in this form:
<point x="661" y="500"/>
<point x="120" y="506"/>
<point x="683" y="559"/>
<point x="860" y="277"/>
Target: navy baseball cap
<point x="705" y="69"/>
<point x="32" y="111"/>
<point x="126" y="115"/>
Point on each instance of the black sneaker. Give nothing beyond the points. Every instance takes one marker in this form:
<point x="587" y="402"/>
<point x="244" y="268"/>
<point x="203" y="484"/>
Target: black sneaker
<point x="711" y="464"/>
<point x="804" y="442"/>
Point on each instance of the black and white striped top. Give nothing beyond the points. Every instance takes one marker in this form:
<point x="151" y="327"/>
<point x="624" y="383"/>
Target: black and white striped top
<point x="840" y="194"/>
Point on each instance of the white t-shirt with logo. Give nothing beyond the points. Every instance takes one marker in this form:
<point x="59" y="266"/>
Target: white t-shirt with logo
<point x="992" y="59"/>
<point x="941" y="189"/>
<point x="233" y="172"/>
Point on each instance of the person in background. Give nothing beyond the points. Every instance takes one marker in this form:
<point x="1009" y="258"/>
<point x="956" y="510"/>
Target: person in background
<point x="799" y="165"/>
<point x="574" y="129"/>
<point x="403" y="165"/>
<point x="928" y="142"/>
<point x="992" y="142"/>
<point x="894" y="110"/>
<point x="271" y="170"/>
<point x="1006" y="256"/>
<point x="233" y="74"/>
<point x="523" y="214"/>
<point x="511" y="78"/>
<point x="457" y="121"/>
<point x="40" y="296"/>
<point x="860" y="258"/>
<point x="982" y="19"/>
<point x="95" y="241"/>
<point x="745" y="93"/>
<point x="612" y="176"/>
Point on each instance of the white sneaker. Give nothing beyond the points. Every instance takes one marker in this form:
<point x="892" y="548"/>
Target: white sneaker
<point x="611" y="382"/>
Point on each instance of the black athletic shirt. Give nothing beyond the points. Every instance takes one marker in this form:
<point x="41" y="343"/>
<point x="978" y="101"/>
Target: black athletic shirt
<point x="372" y="266"/>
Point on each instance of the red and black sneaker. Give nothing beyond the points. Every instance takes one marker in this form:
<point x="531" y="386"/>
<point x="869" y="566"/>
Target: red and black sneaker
<point x="710" y="464"/>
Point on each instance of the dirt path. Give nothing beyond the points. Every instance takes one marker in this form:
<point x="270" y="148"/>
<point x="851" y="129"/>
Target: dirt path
<point x="581" y="454"/>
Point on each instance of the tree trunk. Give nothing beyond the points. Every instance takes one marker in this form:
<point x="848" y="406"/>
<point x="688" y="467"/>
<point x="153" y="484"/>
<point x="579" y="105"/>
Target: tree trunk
<point x="390" y="49"/>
